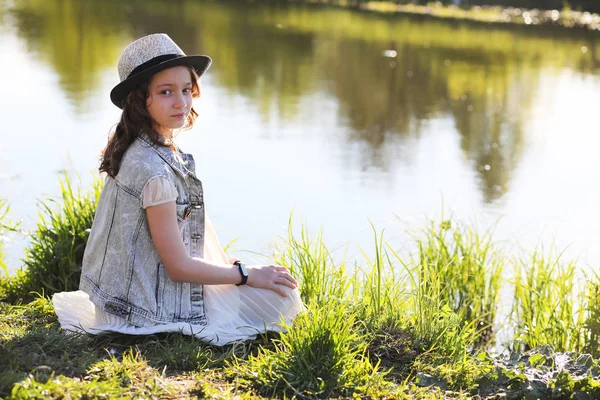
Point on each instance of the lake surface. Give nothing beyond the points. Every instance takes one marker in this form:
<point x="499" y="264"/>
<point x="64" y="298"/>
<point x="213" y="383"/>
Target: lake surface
<point x="339" y="116"/>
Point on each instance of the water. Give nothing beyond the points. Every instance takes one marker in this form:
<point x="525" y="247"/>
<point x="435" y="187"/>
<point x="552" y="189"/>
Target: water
<point x="341" y="117"/>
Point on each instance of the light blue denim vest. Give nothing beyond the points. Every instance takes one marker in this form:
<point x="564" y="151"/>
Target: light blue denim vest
<point x="122" y="271"/>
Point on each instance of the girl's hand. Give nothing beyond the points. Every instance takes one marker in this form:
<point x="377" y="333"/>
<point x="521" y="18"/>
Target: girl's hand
<point x="270" y="277"/>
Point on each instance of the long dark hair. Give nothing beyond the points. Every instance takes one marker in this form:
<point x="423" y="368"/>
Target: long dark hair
<point x="135" y="119"/>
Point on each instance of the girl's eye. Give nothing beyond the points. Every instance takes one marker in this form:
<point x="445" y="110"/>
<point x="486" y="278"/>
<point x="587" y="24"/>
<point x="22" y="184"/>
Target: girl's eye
<point x="187" y="90"/>
<point x="166" y="91"/>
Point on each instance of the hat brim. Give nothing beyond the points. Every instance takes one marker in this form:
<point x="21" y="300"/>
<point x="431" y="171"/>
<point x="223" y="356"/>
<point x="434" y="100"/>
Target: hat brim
<point x="120" y="92"/>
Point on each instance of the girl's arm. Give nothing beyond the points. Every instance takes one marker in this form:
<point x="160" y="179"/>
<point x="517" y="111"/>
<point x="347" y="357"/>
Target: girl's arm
<point x="181" y="267"/>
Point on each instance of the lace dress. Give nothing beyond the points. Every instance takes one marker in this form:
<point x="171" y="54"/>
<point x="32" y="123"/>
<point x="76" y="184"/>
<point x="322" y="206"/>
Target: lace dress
<point x="233" y="313"/>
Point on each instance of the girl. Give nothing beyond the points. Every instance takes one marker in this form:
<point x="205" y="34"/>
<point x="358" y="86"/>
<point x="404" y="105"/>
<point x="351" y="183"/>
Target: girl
<point x="153" y="262"/>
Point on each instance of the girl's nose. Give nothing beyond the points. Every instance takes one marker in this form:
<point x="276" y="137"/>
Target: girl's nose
<point x="179" y="101"/>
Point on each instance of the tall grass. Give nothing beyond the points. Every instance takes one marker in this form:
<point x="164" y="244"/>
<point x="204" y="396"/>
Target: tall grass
<point x="391" y="293"/>
<point x="546" y="309"/>
<point x="5" y="226"/>
<point x="555" y="304"/>
<point x="53" y="259"/>
<point x="447" y="297"/>
<point x="310" y="261"/>
<point x="591" y="315"/>
<point x="436" y="325"/>
<point x="381" y="289"/>
<point x="463" y="270"/>
<point x="387" y="300"/>
<point x="3" y="212"/>
<point x="324" y="353"/>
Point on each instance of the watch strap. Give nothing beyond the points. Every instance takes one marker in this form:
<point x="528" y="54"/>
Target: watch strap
<point x="243" y="272"/>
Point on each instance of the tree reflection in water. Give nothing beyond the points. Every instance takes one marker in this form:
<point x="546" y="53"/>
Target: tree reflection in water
<point x="484" y="78"/>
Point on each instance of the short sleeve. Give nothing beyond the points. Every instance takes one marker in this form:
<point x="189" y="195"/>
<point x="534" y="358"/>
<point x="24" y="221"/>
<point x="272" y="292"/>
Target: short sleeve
<point x="158" y="190"/>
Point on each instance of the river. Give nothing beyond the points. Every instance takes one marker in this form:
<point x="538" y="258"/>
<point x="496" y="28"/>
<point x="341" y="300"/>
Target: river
<point x="339" y="116"/>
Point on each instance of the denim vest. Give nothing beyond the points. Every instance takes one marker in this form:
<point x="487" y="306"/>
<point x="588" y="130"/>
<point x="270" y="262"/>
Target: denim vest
<point x="122" y="271"/>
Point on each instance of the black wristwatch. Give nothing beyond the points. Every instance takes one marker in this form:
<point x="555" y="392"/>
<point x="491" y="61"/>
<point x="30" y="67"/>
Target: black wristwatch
<point x="243" y="272"/>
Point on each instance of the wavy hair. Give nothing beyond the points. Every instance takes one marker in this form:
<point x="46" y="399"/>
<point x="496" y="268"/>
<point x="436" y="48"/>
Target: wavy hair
<point x="135" y="119"/>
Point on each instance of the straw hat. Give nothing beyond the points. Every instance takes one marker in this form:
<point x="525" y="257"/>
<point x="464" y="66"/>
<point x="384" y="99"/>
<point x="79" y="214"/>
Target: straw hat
<point x="147" y="56"/>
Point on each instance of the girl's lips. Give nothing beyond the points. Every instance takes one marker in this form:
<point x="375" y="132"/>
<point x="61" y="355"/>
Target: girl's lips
<point x="178" y="115"/>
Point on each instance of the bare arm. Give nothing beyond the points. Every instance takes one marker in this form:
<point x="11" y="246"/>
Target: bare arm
<point x="181" y="267"/>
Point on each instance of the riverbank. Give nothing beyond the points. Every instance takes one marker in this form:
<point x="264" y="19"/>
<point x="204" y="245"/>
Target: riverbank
<point x="419" y="326"/>
<point x="318" y="358"/>
<point x="489" y="14"/>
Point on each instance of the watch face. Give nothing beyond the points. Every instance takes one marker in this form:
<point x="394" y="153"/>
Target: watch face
<point x="243" y="269"/>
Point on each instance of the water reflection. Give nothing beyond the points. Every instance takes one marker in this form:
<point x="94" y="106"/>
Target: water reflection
<point x="391" y="96"/>
<point x="3" y="11"/>
<point x="77" y="38"/>
<point x="490" y="110"/>
<point x="590" y="64"/>
<point x="268" y="63"/>
<point x="484" y="79"/>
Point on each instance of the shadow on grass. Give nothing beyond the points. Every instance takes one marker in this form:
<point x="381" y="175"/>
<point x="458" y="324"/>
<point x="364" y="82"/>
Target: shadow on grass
<point x="32" y="345"/>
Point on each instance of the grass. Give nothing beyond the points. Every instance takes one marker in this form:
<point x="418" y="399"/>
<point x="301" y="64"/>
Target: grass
<point x="463" y="270"/>
<point x="5" y="226"/>
<point x="591" y="316"/>
<point x="3" y="212"/>
<point x="397" y="326"/>
<point x="125" y="377"/>
<point x="322" y="356"/>
<point x="546" y="309"/>
<point x="53" y="260"/>
<point x="309" y="259"/>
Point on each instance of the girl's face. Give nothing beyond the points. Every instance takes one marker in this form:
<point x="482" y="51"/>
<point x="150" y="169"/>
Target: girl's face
<point x="170" y="99"/>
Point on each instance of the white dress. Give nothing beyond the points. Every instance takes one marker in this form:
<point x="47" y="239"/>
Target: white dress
<point x="233" y="313"/>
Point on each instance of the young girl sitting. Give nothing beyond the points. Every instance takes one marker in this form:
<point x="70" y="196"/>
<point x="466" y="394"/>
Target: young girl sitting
<point x="153" y="262"/>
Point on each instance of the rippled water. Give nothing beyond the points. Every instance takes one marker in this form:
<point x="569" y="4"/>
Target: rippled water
<point x="340" y="116"/>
